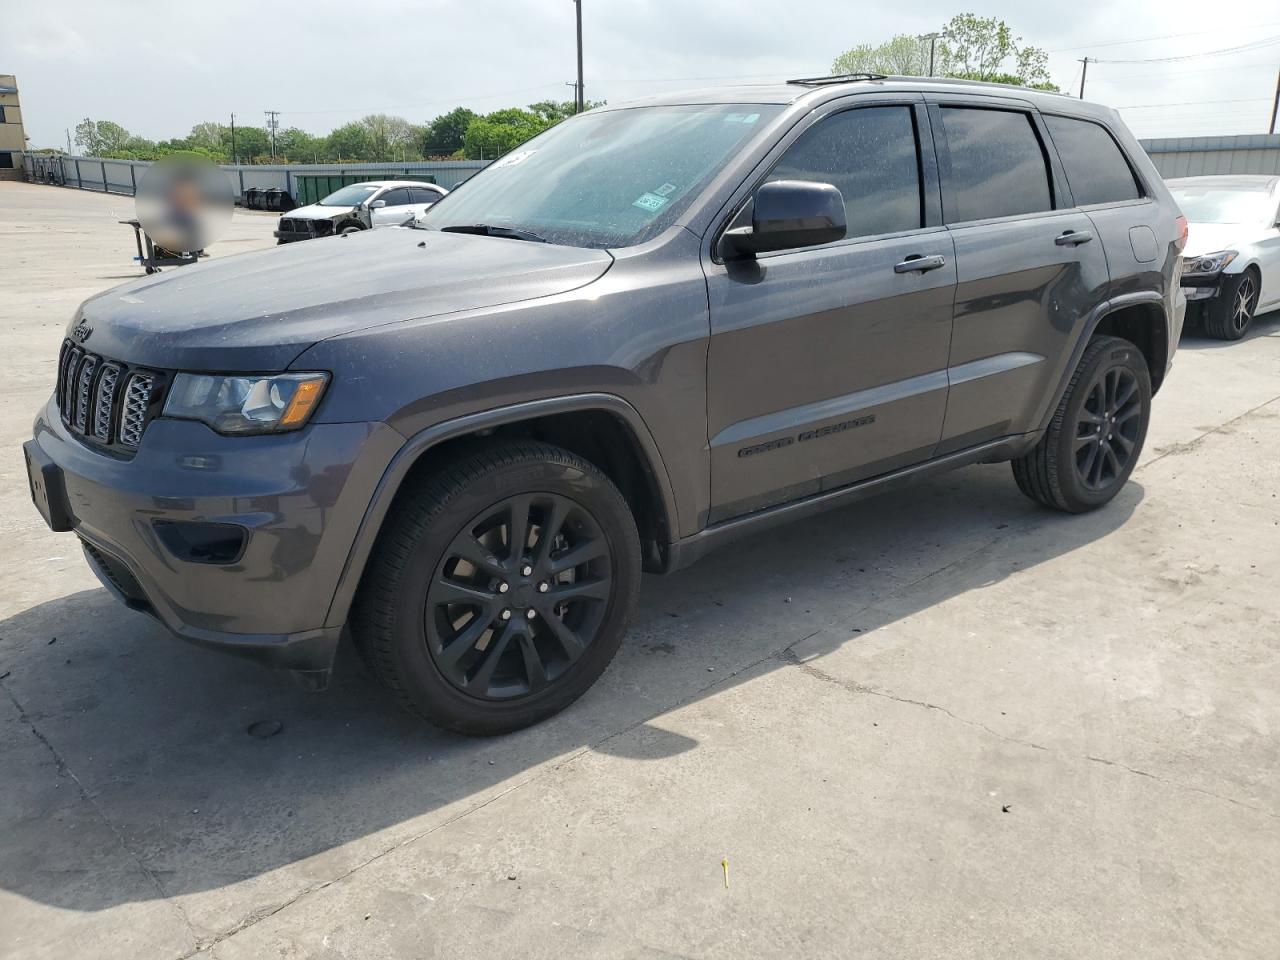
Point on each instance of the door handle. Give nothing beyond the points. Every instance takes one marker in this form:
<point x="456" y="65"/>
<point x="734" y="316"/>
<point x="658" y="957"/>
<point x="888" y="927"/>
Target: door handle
<point x="1073" y="238"/>
<point x="918" y="264"/>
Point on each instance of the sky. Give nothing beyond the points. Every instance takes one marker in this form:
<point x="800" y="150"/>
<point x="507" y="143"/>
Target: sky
<point x="159" y="68"/>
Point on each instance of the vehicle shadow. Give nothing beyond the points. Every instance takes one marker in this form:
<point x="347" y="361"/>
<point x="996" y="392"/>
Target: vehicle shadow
<point x="134" y="749"/>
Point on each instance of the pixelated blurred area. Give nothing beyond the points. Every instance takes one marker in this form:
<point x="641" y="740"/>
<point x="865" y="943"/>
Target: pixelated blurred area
<point x="184" y="203"/>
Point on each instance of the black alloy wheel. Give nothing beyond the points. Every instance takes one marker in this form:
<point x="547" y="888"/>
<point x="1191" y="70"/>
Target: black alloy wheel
<point x="519" y="596"/>
<point x="1095" y="435"/>
<point x="1108" y="427"/>
<point x="500" y="587"/>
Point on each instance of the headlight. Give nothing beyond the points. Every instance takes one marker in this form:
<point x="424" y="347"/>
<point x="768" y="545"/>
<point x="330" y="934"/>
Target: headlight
<point x="1209" y="263"/>
<point x="271" y="403"/>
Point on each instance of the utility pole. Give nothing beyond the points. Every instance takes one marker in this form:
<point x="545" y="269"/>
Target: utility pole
<point x="68" y="129"/>
<point x="580" y="99"/>
<point x="233" y="139"/>
<point x="1275" y="104"/>
<point x="1083" y="73"/>
<point x="272" y="123"/>
<point x="933" y="42"/>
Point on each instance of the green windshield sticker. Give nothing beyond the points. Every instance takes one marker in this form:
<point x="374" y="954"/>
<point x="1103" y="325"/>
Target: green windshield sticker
<point x="651" y="202"/>
<point x="666" y="190"/>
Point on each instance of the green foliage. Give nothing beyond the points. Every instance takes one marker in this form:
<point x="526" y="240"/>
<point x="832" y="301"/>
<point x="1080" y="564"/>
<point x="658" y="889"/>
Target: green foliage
<point x="970" y="48"/>
<point x="501" y="131"/>
<point x="445" y="134"/>
<point x="375" y="138"/>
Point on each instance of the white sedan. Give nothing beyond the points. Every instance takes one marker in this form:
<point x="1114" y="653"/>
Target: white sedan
<point x="1231" y="264"/>
<point x="359" y="206"/>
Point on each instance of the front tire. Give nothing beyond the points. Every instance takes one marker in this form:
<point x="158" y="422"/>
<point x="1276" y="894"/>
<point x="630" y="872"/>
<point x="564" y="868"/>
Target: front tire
<point x="1097" y="432"/>
<point x="500" y="588"/>
<point x="1229" y="315"/>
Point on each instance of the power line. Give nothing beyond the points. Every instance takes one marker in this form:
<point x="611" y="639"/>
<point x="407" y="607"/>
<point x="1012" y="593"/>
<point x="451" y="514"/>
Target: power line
<point x="1255" y="45"/>
<point x="1167" y="36"/>
<point x="1187" y="103"/>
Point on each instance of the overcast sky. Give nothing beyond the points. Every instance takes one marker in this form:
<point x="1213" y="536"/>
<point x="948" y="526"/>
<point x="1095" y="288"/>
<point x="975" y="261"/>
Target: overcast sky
<point x="158" y="68"/>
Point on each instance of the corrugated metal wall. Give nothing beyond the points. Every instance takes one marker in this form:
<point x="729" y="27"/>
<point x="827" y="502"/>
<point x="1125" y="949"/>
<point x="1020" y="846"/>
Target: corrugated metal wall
<point x="121" y="176"/>
<point x="1173" y="157"/>
<point x="1200" y="156"/>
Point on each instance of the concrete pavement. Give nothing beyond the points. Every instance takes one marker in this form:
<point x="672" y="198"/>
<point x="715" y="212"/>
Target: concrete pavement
<point x="941" y="723"/>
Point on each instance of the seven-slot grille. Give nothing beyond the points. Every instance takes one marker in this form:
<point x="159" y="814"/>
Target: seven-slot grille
<point x="103" y="400"/>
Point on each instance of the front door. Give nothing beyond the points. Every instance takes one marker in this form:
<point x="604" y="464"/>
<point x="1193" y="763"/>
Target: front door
<point x="827" y="365"/>
<point x="396" y="208"/>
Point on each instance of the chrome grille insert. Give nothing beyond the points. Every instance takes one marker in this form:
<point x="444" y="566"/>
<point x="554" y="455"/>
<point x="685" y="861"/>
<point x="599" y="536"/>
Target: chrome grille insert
<point x="133" y="413"/>
<point x="104" y="401"/>
<point x="84" y="381"/>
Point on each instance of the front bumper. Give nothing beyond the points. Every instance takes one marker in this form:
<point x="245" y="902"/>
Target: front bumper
<point x="298" y="499"/>
<point x="1204" y="287"/>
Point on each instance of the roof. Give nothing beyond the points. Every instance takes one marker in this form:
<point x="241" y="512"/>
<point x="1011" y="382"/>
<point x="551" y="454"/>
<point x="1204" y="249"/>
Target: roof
<point x="820" y="89"/>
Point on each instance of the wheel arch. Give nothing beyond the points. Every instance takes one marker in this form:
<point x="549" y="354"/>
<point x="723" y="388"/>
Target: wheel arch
<point x="601" y="428"/>
<point x="1141" y="318"/>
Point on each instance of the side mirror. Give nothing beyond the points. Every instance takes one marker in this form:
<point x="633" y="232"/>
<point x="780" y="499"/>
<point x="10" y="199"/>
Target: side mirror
<point x="375" y="204"/>
<point x="788" y="214"/>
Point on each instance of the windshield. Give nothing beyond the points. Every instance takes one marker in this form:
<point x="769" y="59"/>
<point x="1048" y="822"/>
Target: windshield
<point x="1223" y="204"/>
<point x="611" y="178"/>
<point x="350" y="196"/>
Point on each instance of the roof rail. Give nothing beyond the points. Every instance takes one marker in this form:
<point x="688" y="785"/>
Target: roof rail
<point x="838" y="78"/>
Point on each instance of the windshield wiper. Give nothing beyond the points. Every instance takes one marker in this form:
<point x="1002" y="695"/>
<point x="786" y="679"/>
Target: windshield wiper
<point x="492" y="230"/>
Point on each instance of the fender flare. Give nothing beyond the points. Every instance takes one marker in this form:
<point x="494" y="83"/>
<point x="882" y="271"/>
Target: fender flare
<point x="1096" y="316"/>
<point x="418" y="444"/>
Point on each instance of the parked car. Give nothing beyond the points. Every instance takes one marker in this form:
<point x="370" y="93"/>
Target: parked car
<point x="643" y="334"/>
<point x="1231" y="271"/>
<point x="359" y="206"/>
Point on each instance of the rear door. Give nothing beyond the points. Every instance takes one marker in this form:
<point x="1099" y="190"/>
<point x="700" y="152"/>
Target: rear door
<point x="422" y="198"/>
<point x="828" y="364"/>
<point x="1030" y="267"/>
<point x="1105" y="187"/>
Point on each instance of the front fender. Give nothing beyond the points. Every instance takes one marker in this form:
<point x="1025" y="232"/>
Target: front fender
<point x="421" y="442"/>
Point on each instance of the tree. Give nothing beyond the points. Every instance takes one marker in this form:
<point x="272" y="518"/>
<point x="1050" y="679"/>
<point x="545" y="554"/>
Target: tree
<point x="445" y="134"/>
<point x="209" y="135"/>
<point x="298" y="146"/>
<point x="496" y="133"/>
<point x="970" y="48"/>
<point x="349" y="142"/>
<point x="904" y="56"/>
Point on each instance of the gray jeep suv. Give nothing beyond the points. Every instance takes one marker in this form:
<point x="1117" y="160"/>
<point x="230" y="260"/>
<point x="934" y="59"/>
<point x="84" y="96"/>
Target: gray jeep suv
<point x="647" y="331"/>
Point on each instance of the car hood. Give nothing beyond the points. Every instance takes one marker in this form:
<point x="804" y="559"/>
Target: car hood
<point x="258" y="311"/>
<point x="316" y="212"/>
<point x="1205" y="238"/>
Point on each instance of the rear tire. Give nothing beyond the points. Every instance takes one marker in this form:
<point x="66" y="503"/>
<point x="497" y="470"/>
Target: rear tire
<point x="1097" y="432"/>
<point x="476" y="617"/>
<point x="1229" y="315"/>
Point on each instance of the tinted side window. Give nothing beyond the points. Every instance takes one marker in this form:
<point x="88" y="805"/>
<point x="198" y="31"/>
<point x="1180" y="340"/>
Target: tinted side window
<point x="998" y="166"/>
<point x="396" y="198"/>
<point x="870" y="155"/>
<point x="423" y="195"/>
<point x="1096" y="169"/>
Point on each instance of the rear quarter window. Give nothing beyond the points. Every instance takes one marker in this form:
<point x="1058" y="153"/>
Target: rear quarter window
<point x="997" y="166"/>
<point x="1096" y="167"/>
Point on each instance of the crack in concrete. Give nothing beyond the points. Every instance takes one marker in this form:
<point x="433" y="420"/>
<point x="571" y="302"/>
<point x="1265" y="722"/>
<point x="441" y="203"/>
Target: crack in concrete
<point x="64" y="770"/>
<point x="788" y="656"/>
<point x="1188" y="446"/>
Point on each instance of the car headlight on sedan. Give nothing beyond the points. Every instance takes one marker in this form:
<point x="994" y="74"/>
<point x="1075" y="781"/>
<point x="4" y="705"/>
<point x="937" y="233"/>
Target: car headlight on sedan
<point x="246" y="404"/>
<point x="1209" y="263"/>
